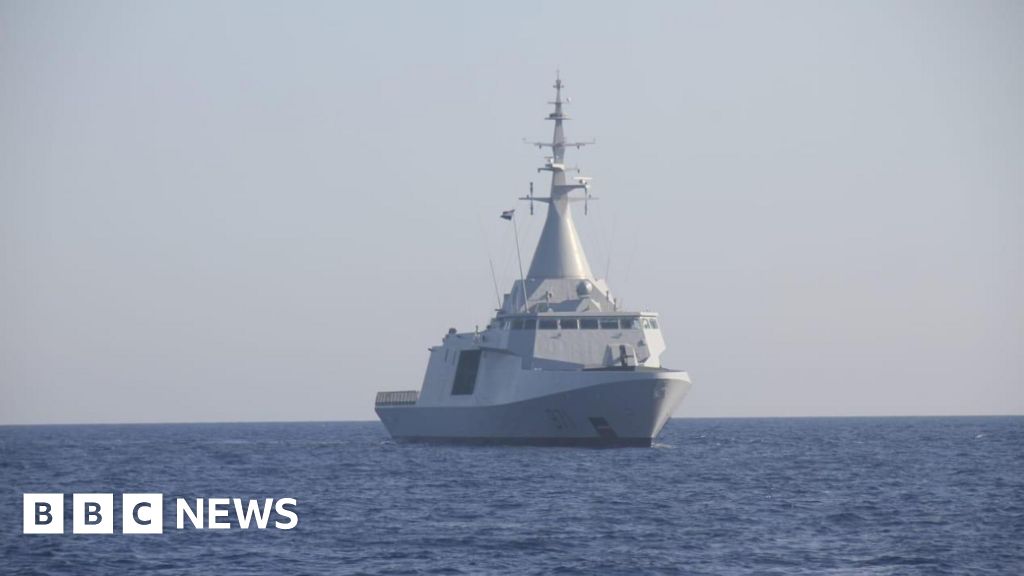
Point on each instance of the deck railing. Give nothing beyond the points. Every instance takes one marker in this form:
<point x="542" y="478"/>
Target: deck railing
<point x="400" y="398"/>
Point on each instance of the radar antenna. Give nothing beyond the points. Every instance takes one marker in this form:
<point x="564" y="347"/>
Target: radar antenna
<point x="559" y="252"/>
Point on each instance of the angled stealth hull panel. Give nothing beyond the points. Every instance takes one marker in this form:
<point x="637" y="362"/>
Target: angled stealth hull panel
<point x="624" y="412"/>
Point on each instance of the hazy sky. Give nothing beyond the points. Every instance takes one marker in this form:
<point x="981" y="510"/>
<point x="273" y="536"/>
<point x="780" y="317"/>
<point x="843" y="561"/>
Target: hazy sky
<point x="268" y="211"/>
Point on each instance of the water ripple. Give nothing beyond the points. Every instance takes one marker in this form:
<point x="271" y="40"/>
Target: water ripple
<point x="790" y="496"/>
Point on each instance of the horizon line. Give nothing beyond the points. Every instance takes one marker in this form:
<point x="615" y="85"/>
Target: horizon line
<point x="221" y="422"/>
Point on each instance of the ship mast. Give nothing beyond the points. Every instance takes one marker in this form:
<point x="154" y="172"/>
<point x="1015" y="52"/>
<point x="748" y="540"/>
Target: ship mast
<point x="559" y="252"/>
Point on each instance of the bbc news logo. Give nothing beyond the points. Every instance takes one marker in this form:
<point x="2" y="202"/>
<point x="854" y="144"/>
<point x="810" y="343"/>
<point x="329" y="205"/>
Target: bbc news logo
<point x="143" y="513"/>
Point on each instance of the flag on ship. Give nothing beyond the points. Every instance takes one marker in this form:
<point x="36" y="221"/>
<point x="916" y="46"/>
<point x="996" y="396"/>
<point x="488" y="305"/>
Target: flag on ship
<point x="507" y="214"/>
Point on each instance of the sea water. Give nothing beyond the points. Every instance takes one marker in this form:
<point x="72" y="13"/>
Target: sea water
<point x="729" y="496"/>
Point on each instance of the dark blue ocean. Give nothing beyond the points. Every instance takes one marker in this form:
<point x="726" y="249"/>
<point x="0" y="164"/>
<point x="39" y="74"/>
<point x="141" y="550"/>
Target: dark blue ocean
<point x="732" y="496"/>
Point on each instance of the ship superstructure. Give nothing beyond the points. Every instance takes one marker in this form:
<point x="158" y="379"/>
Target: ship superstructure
<point x="560" y="363"/>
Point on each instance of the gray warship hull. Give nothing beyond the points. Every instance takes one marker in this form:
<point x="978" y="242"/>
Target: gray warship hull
<point x="621" y="409"/>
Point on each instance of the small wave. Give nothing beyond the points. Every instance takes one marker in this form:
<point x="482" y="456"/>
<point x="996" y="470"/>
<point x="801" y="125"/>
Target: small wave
<point x="844" y="518"/>
<point x="891" y="560"/>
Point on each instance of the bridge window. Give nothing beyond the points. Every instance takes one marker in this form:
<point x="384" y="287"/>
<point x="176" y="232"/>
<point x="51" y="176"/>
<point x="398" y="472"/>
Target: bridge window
<point x="630" y="323"/>
<point x="570" y="324"/>
<point x="465" y="372"/>
<point x="588" y="323"/>
<point x="517" y="324"/>
<point x="654" y="324"/>
<point x="609" y="324"/>
<point x="646" y="323"/>
<point x="548" y="324"/>
<point x="530" y="324"/>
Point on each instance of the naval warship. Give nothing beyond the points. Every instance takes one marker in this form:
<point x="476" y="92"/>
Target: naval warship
<point x="560" y="363"/>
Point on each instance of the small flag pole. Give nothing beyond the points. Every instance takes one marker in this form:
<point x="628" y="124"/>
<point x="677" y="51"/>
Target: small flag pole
<point x="494" y="279"/>
<point x="519" y="256"/>
<point x="510" y="215"/>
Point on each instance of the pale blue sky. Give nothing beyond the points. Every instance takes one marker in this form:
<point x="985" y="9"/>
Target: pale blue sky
<point x="268" y="210"/>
